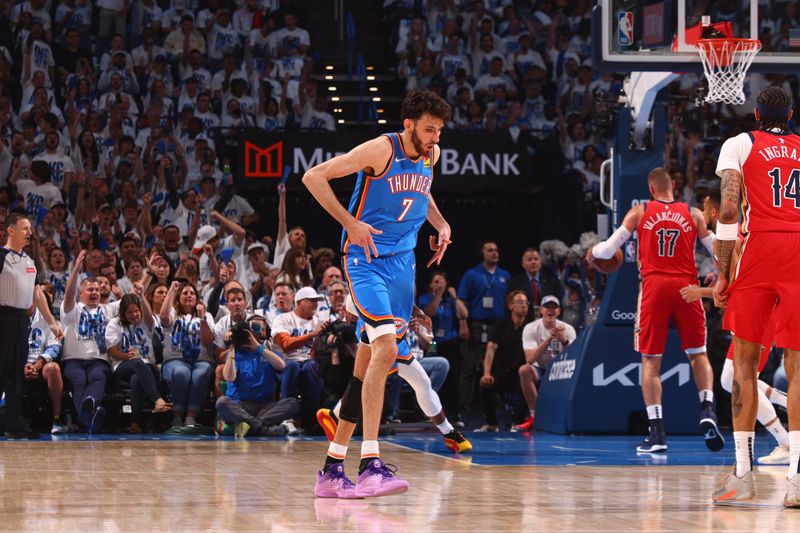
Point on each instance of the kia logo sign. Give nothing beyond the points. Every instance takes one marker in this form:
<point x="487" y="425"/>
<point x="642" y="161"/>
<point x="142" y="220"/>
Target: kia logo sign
<point x="622" y="315"/>
<point x="263" y="162"/>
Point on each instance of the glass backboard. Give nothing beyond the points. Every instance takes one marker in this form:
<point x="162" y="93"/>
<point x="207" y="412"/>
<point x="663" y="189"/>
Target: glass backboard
<point x="656" y="35"/>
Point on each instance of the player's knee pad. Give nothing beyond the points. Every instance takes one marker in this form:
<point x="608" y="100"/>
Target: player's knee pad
<point x="351" y="401"/>
<point x="726" y="379"/>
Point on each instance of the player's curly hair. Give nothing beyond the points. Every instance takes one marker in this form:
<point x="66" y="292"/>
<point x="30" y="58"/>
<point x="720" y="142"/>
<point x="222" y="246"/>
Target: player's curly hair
<point x="774" y="97"/>
<point x="421" y="101"/>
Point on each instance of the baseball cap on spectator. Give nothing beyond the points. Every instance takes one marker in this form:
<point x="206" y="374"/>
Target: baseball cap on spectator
<point x="550" y="299"/>
<point x="104" y="207"/>
<point x="306" y="293"/>
<point x="134" y="235"/>
<point x="204" y="234"/>
<point x="257" y="246"/>
<point x="523" y="34"/>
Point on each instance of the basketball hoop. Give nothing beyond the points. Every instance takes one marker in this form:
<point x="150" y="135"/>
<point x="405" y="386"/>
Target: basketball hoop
<point x="725" y="62"/>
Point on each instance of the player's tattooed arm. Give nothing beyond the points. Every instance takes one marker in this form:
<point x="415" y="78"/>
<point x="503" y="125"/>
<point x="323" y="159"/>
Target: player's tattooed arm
<point x="730" y="191"/>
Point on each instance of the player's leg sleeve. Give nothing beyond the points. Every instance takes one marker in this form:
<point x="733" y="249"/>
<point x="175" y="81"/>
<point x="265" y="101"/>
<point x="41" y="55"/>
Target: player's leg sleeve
<point x="351" y="401"/>
<point x="427" y="399"/>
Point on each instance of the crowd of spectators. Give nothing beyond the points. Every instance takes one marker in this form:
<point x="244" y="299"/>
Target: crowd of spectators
<point x="108" y="115"/>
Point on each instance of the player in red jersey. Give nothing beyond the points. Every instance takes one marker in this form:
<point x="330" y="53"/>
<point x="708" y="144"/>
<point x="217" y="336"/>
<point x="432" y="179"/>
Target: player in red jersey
<point x="763" y="168"/>
<point x="667" y="234"/>
<point x="767" y="395"/>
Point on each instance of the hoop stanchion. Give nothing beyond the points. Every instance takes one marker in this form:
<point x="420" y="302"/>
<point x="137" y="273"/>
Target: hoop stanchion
<point x="725" y="62"/>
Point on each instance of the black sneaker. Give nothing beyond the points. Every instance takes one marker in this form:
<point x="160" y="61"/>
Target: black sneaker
<point x="25" y="434"/>
<point x="708" y="424"/>
<point x="655" y="442"/>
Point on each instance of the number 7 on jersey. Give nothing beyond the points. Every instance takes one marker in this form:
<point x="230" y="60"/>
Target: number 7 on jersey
<point x="407" y="203"/>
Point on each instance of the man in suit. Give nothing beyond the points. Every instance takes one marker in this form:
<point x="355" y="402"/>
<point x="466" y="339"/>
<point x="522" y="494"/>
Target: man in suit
<point x="535" y="281"/>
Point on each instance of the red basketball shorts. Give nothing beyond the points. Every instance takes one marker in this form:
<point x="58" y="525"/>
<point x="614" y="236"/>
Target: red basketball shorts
<point x="767" y="284"/>
<point x="660" y="304"/>
<point x="766" y="345"/>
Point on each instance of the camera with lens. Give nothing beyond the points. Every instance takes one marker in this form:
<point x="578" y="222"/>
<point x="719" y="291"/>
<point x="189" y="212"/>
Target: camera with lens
<point x="339" y="333"/>
<point x="240" y="335"/>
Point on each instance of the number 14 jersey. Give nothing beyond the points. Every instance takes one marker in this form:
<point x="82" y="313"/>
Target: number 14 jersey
<point x="770" y="166"/>
<point x="667" y="235"/>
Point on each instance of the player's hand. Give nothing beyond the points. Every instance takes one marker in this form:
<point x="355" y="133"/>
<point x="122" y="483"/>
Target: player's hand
<point x="360" y="234"/>
<point x="487" y="381"/>
<point x="720" y="298"/>
<point x="690" y="293"/>
<point x="439" y="246"/>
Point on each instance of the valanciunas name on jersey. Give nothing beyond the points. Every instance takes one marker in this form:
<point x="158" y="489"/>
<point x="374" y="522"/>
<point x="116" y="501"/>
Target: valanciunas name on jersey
<point x="667" y="216"/>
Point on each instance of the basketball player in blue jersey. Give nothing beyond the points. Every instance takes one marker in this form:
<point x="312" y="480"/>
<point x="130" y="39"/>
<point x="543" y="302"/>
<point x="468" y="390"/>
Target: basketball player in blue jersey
<point x="391" y="201"/>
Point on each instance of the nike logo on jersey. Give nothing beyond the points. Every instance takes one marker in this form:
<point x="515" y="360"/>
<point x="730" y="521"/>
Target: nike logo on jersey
<point x="398" y="159"/>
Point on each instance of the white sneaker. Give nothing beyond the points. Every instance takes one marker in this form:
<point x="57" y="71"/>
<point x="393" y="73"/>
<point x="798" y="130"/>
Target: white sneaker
<point x="486" y="428"/>
<point x="778" y="456"/>
<point x="291" y="429"/>
<point x="792" y="498"/>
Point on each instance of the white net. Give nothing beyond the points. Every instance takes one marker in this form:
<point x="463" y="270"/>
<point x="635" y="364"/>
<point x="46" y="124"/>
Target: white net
<point x="725" y="62"/>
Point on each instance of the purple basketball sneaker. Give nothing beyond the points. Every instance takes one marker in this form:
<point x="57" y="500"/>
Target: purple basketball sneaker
<point x="379" y="480"/>
<point x="334" y="483"/>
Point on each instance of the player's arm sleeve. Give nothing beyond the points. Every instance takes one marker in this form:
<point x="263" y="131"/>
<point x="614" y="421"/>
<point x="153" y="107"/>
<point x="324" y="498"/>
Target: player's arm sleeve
<point x="607" y="248"/>
<point x="734" y="153"/>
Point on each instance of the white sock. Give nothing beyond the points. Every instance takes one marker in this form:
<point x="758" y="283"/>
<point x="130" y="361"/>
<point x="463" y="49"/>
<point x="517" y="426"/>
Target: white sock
<point x="445" y="427"/>
<point x="744" y="451"/>
<point x="369" y="448"/>
<point x="779" y="432"/>
<point x="778" y="397"/>
<point x="337" y="451"/>
<point x="794" y="453"/>
<point x="533" y="413"/>
<point x="654" y="412"/>
<point x="190" y="421"/>
<point x="706" y="395"/>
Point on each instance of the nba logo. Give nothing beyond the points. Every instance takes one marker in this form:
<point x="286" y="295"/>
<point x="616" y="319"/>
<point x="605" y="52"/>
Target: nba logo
<point x="625" y="28"/>
<point x="630" y="252"/>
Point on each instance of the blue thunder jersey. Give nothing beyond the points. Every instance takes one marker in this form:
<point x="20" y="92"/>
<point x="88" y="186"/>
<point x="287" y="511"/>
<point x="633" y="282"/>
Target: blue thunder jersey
<point x="395" y="202"/>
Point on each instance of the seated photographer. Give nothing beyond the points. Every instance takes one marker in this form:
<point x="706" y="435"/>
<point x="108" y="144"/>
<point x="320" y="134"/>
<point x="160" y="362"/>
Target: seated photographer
<point x="294" y="334"/>
<point x="335" y="352"/>
<point x="129" y="338"/>
<point x="250" y="367"/>
<point x="42" y="370"/>
<point x="236" y="311"/>
<point x="188" y="357"/>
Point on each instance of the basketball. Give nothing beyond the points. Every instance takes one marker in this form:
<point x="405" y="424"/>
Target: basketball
<point x="604" y="266"/>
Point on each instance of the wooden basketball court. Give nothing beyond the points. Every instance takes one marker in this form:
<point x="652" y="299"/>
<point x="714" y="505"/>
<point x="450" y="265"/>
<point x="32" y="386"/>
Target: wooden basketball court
<point x="212" y="484"/>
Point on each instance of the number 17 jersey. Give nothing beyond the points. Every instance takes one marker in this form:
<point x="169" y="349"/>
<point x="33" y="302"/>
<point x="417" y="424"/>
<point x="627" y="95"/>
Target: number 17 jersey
<point x="667" y="235"/>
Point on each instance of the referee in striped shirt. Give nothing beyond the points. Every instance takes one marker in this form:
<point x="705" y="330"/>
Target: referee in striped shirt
<point x="18" y="292"/>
